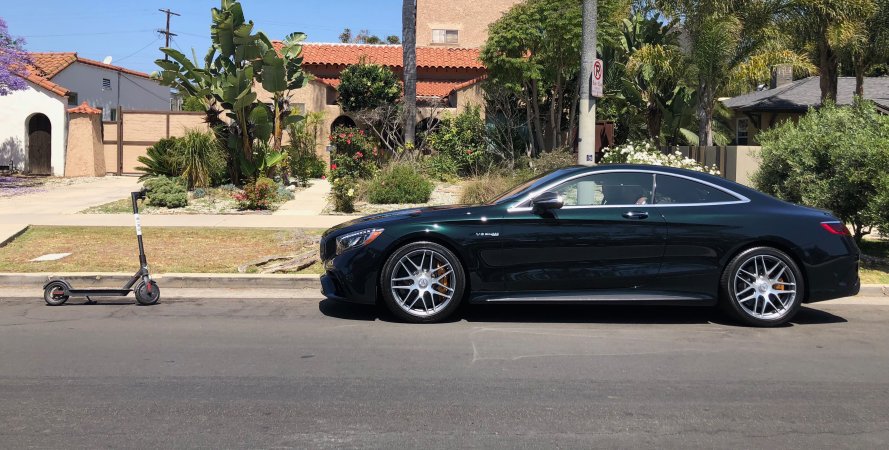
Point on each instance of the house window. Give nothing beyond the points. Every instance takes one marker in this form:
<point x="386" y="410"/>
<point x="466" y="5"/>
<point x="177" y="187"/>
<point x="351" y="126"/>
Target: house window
<point x="72" y="98"/>
<point x="112" y="115"/>
<point x="445" y="36"/>
<point x="106" y="84"/>
<point x="741" y="135"/>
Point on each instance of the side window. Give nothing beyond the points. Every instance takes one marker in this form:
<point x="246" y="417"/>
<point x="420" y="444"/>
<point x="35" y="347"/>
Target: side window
<point x="616" y="188"/>
<point x="675" y="190"/>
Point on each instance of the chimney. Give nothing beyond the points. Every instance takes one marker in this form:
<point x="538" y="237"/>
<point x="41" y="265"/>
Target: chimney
<point x="781" y="74"/>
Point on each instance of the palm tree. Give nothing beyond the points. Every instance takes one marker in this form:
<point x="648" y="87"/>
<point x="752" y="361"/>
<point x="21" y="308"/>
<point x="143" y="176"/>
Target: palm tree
<point x="723" y="38"/>
<point x="409" y="47"/>
<point x="827" y="26"/>
<point x="869" y="43"/>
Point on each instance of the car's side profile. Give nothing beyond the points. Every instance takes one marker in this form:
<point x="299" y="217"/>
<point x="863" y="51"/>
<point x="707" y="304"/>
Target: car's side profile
<point x="607" y="234"/>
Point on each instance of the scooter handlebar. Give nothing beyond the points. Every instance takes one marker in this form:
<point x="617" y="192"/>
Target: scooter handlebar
<point x="141" y="194"/>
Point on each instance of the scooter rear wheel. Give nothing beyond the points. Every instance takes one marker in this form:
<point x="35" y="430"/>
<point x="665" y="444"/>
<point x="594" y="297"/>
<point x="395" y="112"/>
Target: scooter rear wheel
<point x="54" y="294"/>
<point x="144" y="297"/>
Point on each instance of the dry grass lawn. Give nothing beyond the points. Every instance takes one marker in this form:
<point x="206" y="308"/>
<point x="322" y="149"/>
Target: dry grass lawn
<point x="169" y="250"/>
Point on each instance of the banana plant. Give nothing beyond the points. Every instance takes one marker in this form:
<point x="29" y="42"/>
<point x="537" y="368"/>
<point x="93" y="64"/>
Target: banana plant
<point x="281" y="73"/>
<point x="239" y="59"/>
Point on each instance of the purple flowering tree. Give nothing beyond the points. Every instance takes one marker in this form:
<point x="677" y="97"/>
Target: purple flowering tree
<point x="13" y="61"/>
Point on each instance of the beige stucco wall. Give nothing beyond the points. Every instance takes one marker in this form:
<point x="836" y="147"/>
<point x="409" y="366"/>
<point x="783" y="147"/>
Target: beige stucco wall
<point x="469" y="17"/>
<point x="740" y="161"/>
<point x="86" y="156"/>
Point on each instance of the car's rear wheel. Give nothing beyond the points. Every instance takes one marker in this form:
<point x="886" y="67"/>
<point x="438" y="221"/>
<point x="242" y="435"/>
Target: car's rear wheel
<point x="762" y="286"/>
<point x="422" y="282"/>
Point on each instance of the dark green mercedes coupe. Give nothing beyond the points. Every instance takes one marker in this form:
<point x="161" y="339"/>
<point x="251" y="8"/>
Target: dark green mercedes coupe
<point x="609" y="234"/>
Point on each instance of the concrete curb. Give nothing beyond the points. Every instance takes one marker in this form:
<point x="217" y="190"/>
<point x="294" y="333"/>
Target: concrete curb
<point x="225" y="280"/>
<point x="168" y="280"/>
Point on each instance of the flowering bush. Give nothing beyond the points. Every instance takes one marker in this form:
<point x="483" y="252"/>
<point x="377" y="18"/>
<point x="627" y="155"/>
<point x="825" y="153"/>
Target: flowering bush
<point x="355" y="158"/>
<point x="342" y="190"/>
<point x="259" y="195"/>
<point x="645" y="153"/>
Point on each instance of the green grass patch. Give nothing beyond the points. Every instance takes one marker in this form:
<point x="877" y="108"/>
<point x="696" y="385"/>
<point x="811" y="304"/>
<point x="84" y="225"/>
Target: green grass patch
<point x="177" y="250"/>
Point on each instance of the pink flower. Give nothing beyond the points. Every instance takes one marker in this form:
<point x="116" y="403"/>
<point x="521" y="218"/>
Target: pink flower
<point x="468" y="152"/>
<point x="342" y="135"/>
<point x="333" y="167"/>
<point x="359" y="155"/>
<point x="349" y="141"/>
<point x="323" y="177"/>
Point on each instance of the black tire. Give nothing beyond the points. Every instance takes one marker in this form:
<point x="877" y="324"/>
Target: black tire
<point x="740" y="310"/>
<point x="458" y="283"/>
<point x="145" y="298"/>
<point x="54" y="293"/>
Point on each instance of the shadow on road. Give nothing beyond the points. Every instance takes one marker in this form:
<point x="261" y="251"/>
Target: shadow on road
<point x="573" y="314"/>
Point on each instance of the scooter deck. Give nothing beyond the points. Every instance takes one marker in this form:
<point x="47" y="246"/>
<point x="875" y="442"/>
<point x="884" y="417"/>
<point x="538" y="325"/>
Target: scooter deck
<point x="99" y="292"/>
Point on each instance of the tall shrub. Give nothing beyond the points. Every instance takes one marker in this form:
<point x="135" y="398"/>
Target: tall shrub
<point x="461" y="138"/>
<point x="201" y="158"/>
<point x="835" y="158"/>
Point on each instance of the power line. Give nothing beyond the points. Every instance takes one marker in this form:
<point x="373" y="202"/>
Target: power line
<point x="166" y="32"/>
<point x="140" y="50"/>
<point x="86" y="34"/>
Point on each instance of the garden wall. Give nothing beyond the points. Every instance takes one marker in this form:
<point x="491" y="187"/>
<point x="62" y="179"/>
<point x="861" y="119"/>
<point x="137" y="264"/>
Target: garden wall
<point x="130" y="136"/>
<point x="736" y="163"/>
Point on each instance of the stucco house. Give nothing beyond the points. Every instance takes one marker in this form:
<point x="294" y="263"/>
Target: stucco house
<point x="447" y="78"/>
<point x="787" y="99"/>
<point x="34" y="123"/>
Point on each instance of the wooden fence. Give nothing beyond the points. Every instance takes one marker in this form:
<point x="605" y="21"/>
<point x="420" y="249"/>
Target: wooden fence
<point x="133" y="132"/>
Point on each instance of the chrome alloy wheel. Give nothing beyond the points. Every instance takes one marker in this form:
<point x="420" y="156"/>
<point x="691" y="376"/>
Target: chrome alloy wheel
<point x="423" y="282"/>
<point x="765" y="287"/>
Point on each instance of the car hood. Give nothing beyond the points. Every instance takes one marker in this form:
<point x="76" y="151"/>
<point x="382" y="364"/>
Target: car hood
<point x="393" y="216"/>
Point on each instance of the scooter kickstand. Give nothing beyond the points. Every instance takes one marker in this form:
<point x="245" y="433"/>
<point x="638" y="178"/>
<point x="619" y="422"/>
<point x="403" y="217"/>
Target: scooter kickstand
<point x="90" y="301"/>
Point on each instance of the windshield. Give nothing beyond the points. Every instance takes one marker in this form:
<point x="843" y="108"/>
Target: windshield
<point x="530" y="185"/>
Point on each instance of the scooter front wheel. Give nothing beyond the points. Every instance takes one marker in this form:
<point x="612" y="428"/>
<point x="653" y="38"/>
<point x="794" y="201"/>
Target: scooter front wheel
<point x="147" y="294"/>
<point x="54" y="294"/>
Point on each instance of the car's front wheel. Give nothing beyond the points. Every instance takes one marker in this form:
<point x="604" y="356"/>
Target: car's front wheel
<point x="422" y="282"/>
<point x="763" y="287"/>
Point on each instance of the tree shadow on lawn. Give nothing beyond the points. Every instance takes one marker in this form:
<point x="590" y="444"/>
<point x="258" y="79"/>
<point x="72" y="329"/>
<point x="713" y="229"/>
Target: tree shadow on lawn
<point x="623" y="314"/>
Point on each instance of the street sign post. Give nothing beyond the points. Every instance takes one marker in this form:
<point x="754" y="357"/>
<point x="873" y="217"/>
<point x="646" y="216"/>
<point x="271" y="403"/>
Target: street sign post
<point x="598" y="72"/>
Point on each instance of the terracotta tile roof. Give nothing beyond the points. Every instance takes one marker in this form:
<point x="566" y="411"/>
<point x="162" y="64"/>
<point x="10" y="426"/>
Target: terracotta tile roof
<point x="436" y="89"/>
<point x="84" y="108"/>
<point x="332" y="82"/>
<point x="51" y="63"/>
<point x="388" y="55"/>
<point x="33" y="77"/>
<point x="471" y="82"/>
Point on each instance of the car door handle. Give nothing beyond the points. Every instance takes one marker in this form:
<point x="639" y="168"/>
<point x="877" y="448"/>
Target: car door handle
<point x="635" y="215"/>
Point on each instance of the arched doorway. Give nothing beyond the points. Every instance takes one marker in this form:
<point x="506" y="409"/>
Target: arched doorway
<point x="343" y="121"/>
<point x="39" y="145"/>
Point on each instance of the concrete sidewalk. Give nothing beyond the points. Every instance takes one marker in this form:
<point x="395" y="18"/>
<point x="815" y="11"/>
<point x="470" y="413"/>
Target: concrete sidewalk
<point x="308" y="202"/>
<point x="183" y="220"/>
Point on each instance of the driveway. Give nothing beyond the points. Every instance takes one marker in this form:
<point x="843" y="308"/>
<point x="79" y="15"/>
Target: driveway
<point x="68" y="196"/>
<point x="311" y="373"/>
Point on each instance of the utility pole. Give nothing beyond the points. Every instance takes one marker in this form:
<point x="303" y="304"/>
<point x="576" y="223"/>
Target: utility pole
<point x="166" y="31"/>
<point x="586" y="133"/>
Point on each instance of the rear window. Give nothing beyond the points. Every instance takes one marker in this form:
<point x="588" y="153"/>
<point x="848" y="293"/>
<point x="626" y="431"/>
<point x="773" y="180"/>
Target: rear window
<point x="676" y="190"/>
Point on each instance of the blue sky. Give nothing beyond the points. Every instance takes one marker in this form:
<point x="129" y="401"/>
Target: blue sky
<point x="125" y="29"/>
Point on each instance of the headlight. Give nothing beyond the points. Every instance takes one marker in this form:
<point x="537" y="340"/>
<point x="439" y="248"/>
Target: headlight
<point x="356" y="239"/>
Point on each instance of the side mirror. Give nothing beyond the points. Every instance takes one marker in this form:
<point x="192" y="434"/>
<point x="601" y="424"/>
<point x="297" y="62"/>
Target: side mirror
<point x="547" y="201"/>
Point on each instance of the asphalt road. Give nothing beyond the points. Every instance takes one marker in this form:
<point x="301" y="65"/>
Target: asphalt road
<point x="308" y="373"/>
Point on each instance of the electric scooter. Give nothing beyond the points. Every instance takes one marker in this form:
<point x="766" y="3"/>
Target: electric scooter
<point x="57" y="292"/>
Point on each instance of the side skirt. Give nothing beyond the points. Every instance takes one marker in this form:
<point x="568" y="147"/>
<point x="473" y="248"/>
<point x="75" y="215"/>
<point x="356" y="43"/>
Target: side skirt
<point x="597" y="297"/>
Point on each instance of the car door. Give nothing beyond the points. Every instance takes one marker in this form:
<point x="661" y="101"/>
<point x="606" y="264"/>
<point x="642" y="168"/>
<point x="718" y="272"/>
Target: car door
<point x="704" y="222"/>
<point x="606" y="236"/>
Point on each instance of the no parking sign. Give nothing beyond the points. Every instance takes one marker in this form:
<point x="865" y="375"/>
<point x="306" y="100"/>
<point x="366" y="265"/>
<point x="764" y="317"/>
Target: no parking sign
<point x="596" y="76"/>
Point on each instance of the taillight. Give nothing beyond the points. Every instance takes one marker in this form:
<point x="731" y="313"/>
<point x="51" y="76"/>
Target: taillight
<point x="836" y="228"/>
